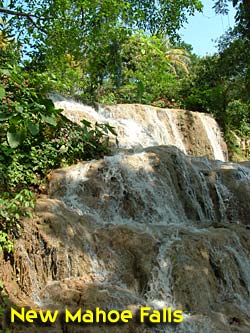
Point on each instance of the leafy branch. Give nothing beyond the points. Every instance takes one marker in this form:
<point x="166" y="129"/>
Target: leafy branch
<point x="28" y="16"/>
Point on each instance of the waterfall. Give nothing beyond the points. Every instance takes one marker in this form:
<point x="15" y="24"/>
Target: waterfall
<point x="141" y="126"/>
<point x="213" y="132"/>
<point x="150" y="225"/>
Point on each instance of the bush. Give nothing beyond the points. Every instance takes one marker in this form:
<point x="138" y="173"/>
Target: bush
<point x="35" y="139"/>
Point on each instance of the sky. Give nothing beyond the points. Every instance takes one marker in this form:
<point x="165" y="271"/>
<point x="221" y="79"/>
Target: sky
<point x="203" y="29"/>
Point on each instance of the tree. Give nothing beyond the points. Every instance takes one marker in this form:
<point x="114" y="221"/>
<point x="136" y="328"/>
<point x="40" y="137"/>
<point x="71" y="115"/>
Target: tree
<point x="178" y="57"/>
<point x="8" y="50"/>
<point x="92" y="34"/>
<point x="242" y="16"/>
<point x="219" y="84"/>
<point x="5" y="37"/>
<point x="234" y="45"/>
<point x="77" y="27"/>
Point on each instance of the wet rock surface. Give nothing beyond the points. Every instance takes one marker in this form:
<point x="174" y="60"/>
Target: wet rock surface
<point x="153" y="228"/>
<point x="140" y="126"/>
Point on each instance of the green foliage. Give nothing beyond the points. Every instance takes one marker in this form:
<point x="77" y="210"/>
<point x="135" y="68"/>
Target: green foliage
<point x="34" y="139"/>
<point x="65" y="26"/>
<point x="53" y="34"/>
<point x="14" y="207"/>
<point x="9" y="52"/>
<point x="237" y="117"/>
<point x="6" y="245"/>
<point x="35" y="136"/>
<point x="23" y="112"/>
<point x="150" y="69"/>
<point x="29" y="163"/>
<point x="242" y="16"/>
<point x="219" y="85"/>
<point x="147" y="70"/>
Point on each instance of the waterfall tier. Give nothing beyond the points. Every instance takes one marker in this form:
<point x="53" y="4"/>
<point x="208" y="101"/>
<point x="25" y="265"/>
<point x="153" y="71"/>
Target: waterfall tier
<point x="139" y="126"/>
<point x="150" y="225"/>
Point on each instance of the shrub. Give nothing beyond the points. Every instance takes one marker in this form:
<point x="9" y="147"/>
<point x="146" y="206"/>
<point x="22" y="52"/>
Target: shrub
<point x="35" y="139"/>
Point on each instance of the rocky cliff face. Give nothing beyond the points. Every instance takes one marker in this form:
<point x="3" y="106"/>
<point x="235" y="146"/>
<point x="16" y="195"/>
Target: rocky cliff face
<point x="140" y="126"/>
<point x="151" y="226"/>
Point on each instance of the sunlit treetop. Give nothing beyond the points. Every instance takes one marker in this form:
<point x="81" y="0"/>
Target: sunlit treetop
<point x="72" y="23"/>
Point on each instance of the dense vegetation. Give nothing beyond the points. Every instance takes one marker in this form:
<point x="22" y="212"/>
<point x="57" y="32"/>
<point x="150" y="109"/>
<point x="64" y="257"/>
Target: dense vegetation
<point x="35" y="138"/>
<point x="219" y="84"/>
<point x="84" y="49"/>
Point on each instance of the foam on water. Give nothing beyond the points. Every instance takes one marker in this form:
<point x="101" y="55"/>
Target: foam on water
<point x="150" y="127"/>
<point x="213" y="132"/>
<point x="163" y="198"/>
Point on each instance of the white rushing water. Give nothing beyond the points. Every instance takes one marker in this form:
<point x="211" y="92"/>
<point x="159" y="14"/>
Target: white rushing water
<point x="162" y="195"/>
<point x="214" y="135"/>
<point x="144" y="126"/>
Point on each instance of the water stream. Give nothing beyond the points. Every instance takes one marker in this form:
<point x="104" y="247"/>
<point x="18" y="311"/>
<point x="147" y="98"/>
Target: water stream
<point x="152" y="226"/>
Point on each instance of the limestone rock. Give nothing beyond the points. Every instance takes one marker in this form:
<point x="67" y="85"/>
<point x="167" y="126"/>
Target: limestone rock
<point x="155" y="227"/>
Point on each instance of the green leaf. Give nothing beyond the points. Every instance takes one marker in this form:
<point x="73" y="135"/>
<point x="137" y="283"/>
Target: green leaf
<point x="5" y="71"/>
<point x="86" y="122"/>
<point x="111" y="129"/>
<point x="16" y="119"/>
<point x="15" y="77"/>
<point x="2" y="93"/>
<point x="5" y="116"/>
<point x="26" y="204"/>
<point x="19" y="108"/>
<point x="33" y="128"/>
<point x="50" y="120"/>
<point x="29" y="214"/>
<point x="15" y="138"/>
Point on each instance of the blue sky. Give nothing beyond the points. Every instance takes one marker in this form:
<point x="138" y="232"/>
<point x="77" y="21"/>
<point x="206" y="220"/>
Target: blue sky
<point x="203" y="28"/>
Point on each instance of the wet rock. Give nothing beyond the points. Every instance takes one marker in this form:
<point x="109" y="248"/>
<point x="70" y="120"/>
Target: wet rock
<point x="139" y="126"/>
<point x="149" y="226"/>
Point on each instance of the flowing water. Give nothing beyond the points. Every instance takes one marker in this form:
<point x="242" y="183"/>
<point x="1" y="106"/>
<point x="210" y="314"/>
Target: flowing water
<point x="213" y="132"/>
<point x="150" y="225"/>
<point x="143" y="126"/>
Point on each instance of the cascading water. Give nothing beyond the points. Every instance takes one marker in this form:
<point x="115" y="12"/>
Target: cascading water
<point x="214" y="135"/>
<point x="140" y="126"/>
<point x="152" y="226"/>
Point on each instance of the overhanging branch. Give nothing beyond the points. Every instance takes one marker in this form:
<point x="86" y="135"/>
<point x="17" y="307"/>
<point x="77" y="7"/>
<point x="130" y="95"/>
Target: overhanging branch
<point x="28" y="16"/>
